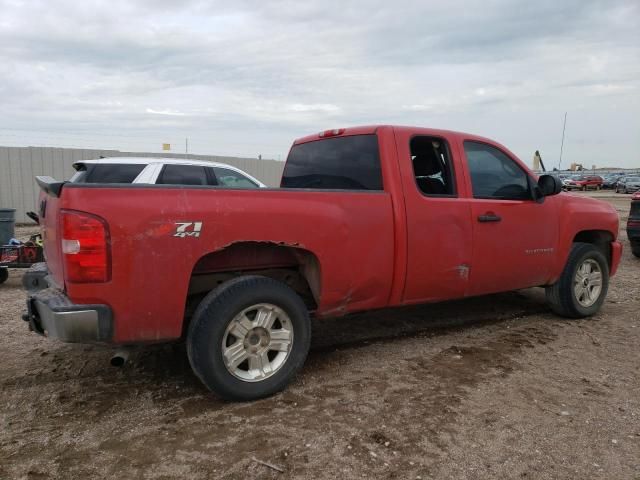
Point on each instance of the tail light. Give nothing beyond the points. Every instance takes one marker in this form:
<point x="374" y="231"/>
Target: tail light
<point x="85" y="248"/>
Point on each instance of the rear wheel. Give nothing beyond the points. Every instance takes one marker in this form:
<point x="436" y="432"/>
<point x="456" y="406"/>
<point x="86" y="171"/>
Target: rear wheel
<point x="4" y="274"/>
<point x="248" y="338"/>
<point x="582" y="287"/>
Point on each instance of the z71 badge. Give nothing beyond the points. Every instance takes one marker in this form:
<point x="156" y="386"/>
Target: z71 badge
<point x="188" y="229"/>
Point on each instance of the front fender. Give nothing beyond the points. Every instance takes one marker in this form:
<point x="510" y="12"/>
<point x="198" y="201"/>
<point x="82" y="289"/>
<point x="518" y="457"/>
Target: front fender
<point x="589" y="220"/>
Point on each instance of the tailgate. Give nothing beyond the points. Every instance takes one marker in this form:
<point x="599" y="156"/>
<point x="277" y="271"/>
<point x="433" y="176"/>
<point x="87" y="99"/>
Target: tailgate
<point x="48" y="209"/>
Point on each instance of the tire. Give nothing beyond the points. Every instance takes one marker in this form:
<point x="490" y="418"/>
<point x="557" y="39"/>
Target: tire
<point x="562" y="296"/>
<point x="584" y="188"/>
<point x="635" y="248"/>
<point x="236" y="324"/>
<point x="4" y="274"/>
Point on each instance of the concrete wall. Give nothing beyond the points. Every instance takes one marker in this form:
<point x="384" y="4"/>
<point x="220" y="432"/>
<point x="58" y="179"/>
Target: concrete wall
<point x="19" y="166"/>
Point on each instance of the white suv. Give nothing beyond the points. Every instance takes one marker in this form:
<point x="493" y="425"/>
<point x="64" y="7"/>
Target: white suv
<point x="162" y="171"/>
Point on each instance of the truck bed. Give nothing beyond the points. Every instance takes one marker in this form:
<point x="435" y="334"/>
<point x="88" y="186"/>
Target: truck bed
<point x="352" y="233"/>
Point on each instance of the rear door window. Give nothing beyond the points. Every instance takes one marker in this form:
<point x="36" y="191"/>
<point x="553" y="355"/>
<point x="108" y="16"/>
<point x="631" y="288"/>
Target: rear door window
<point x="432" y="166"/>
<point x="230" y="178"/>
<point x="183" y="175"/>
<point x="343" y="163"/>
<point x="110" y="173"/>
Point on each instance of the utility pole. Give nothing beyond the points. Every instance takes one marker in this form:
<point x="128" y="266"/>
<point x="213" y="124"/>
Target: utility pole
<point x="564" y="126"/>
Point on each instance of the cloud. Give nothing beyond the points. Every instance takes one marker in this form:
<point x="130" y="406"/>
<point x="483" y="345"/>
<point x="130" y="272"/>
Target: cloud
<point x="316" y="107"/>
<point x="248" y="77"/>
<point x="165" y="112"/>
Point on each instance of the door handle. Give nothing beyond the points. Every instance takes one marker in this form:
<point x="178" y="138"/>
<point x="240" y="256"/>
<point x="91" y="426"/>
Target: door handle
<point x="489" y="217"/>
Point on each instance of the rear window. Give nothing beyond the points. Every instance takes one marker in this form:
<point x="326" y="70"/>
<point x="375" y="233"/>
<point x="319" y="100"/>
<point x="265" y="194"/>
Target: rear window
<point x="108" y="173"/>
<point x="80" y="175"/>
<point x="345" y="163"/>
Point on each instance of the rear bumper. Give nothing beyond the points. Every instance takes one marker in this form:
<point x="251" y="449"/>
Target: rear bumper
<point x="52" y="314"/>
<point x="616" y="253"/>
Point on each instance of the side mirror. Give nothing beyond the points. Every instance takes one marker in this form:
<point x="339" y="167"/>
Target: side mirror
<point x="549" y="185"/>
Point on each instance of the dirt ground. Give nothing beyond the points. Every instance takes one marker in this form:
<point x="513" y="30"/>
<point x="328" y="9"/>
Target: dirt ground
<point x="491" y="387"/>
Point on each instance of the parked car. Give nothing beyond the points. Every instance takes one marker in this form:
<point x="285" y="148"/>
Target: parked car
<point x="162" y="171"/>
<point x="583" y="182"/>
<point x="633" y="224"/>
<point x="366" y="218"/>
<point x="629" y="184"/>
<point x="611" y="181"/>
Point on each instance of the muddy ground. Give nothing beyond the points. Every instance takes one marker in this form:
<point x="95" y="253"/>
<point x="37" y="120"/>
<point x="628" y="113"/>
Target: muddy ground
<point x="491" y="387"/>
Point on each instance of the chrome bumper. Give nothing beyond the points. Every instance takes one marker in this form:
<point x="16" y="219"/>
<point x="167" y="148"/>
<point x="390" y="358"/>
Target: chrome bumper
<point x="52" y="314"/>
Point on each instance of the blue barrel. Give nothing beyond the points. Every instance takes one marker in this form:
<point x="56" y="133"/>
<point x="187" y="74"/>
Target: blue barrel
<point x="7" y="225"/>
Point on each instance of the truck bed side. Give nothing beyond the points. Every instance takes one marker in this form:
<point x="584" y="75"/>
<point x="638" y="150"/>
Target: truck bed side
<point x="350" y="233"/>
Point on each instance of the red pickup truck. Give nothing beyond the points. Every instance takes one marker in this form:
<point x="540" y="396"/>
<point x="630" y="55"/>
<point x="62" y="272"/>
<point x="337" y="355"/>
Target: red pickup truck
<point x="366" y="218"/>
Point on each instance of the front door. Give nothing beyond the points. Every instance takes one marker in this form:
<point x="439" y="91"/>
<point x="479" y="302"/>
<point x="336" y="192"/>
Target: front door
<point x="514" y="237"/>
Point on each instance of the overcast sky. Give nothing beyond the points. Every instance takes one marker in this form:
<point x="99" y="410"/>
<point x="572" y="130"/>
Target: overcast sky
<point x="246" y="78"/>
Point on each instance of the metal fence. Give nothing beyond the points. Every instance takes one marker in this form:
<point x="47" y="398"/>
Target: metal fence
<point x="19" y="166"/>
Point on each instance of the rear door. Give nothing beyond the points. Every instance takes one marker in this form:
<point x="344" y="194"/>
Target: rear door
<point x="514" y="237"/>
<point x="438" y="218"/>
<point x="177" y="174"/>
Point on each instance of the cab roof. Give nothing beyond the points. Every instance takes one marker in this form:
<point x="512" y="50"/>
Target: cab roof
<point x="372" y="129"/>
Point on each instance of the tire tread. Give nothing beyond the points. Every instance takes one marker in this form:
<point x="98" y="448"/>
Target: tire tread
<point x="560" y="294"/>
<point x="218" y="307"/>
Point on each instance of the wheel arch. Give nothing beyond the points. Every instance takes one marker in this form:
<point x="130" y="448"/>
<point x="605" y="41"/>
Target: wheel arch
<point x="296" y="266"/>
<point x="600" y="238"/>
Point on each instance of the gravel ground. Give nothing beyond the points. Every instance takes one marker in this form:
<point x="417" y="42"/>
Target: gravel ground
<point x="490" y="387"/>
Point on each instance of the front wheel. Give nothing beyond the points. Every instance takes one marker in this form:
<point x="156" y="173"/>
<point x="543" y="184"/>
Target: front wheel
<point x="248" y="338"/>
<point x="582" y="287"/>
<point x="4" y="274"/>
